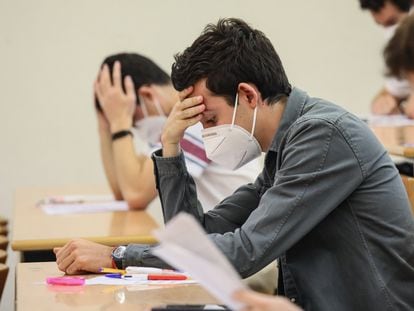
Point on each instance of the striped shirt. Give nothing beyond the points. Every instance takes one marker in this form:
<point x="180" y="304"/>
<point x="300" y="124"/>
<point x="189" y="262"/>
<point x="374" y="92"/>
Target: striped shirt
<point x="214" y="182"/>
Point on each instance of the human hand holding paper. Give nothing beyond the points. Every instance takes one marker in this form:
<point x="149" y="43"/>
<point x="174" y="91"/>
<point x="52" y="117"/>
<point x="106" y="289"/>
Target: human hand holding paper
<point x="184" y="245"/>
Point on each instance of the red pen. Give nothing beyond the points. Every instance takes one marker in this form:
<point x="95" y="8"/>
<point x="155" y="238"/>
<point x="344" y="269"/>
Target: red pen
<point x="155" y="277"/>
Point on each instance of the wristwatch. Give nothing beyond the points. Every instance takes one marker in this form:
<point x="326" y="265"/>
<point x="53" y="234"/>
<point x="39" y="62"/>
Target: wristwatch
<point x="117" y="255"/>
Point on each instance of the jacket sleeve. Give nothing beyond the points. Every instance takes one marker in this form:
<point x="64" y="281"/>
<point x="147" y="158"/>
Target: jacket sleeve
<point x="318" y="170"/>
<point x="251" y="227"/>
<point x="177" y="191"/>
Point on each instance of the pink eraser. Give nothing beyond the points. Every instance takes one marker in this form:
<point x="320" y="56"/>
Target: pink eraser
<point x="66" y="280"/>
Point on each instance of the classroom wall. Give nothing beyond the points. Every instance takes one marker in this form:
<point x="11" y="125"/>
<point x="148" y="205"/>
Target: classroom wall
<point x="50" y="51"/>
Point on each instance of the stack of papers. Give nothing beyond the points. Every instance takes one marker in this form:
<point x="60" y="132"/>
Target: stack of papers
<point x="185" y="246"/>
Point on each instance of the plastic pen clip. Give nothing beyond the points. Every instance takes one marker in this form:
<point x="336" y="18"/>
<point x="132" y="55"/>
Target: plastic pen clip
<point x="155" y="277"/>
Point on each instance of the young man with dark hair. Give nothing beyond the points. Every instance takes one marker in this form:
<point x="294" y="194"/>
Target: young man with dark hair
<point x="329" y="203"/>
<point x="133" y="103"/>
<point x="396" y="92"/>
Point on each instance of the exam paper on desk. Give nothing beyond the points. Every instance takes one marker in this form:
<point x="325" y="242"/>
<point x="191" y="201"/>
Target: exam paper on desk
<point x="184" y="245"/>
<point x="388" y="120"/>
<point x="103" y="280"/>
<point x="80" y="203"/>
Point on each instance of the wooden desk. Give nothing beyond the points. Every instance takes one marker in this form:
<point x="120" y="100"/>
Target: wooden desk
<point x="34" y="230"/>
<point x="395" y="139"/>
<point x="33" y="294"/>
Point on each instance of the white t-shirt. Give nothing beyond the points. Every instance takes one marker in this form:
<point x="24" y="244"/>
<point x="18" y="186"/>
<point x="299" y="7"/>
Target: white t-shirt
<point x="214" y="182"/>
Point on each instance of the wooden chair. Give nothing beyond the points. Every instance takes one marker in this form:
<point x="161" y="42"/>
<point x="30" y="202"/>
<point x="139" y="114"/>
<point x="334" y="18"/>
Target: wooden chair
<point x="4" y="271"/>
<point x="4" y="242"/>
<point x="409" y="187"/>
<point x="3" y="221"/>
<point x="3" y="256"/>
<point x="4" y="230"/>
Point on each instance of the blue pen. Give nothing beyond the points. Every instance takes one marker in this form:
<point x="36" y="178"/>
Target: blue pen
<point x="113" y="275"/>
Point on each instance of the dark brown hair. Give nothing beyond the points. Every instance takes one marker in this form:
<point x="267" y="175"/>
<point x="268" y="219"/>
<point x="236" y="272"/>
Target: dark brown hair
<point x="142" y="70"/>
<point x="228" y="53"/>
<point x="377" y="5"/>
<point x="399" y="52"/>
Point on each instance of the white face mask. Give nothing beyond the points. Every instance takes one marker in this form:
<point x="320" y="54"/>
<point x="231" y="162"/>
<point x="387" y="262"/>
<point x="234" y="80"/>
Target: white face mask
<point x="231" y="145"/>
<point x="150" y="128"/>
<point x="389" y="31"/>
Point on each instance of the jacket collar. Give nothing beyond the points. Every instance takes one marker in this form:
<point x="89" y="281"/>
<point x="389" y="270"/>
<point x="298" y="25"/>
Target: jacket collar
<point x="293" y="110"/>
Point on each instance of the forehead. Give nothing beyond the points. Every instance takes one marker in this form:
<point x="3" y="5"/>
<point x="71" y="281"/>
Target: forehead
<point x="211" y="100"/>
<point x="200" y="88"/>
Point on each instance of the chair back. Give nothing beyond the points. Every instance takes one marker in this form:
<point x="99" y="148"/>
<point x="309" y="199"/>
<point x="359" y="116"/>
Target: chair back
<point x="4" y="242"/>
<point x="3" y="256"/>
<point x="409" y="187"/>
<point x="4" y="271"/>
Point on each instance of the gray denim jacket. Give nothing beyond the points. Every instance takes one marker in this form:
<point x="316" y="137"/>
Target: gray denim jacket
<point x="329" y="204"/>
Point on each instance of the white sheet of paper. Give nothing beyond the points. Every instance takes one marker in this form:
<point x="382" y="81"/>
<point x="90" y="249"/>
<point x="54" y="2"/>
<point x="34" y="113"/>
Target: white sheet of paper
<point x="87" y="207"/>
<point x="103" y="280"/>
<point x="77" y="198"/>
<point x="390" y="120"/>
<point x="185" y="246"/>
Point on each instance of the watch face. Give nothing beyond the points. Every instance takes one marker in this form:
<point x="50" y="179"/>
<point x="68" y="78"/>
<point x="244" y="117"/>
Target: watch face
<point x="118" y="252"/>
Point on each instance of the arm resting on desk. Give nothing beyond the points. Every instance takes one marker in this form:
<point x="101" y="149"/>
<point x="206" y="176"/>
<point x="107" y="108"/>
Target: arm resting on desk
<point x="78" y="256"/>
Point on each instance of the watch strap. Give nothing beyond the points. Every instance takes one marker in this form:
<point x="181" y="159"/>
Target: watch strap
<point x="121" y="134"/>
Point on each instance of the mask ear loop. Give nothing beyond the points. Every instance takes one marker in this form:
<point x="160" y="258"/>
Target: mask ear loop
<point x="234" y="115"/>
<point x="143" y="107"/>
<point x="254" y="122"/>
<point x="235" y="108"/>
<point x="158" y="107"/>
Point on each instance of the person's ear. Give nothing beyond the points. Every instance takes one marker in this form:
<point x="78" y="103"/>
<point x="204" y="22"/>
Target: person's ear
<point x="249" y="94"/>
<point x="146" y="93"/>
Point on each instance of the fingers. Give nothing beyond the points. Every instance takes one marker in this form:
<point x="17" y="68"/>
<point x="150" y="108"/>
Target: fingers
<point x="74" y="266"/>
<point x="189" y="108"/>
<point x="66" y="262"/>
<point x="192" y="121"/>
<point x="130" y="88"/>
<point x="116" y="74"/>
<point x="192" y="112"/>
<point x="184" y="93"/>
<point x="64" y="252"/>
<point x="56" y="250"/>
<point x="97" y="90"/>
<point x="105" y="78"/>
<point x="248" y="297"/>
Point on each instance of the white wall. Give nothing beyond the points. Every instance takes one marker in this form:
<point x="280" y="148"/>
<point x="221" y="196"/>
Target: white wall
<point x="50" y="51"/>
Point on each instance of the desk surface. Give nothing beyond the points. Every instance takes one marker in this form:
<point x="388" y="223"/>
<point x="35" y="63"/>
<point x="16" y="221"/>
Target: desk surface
<point x="35" y="230"/>
<point x="396" y="138"/>
<point x="33" y="294"/>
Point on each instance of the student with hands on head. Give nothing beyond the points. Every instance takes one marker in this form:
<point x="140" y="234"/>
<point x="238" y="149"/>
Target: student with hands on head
<point x="396" y="91"/>
<point x="130" y="173"/>
<point x="133" y="98"/>
<point x="321" y="205"/>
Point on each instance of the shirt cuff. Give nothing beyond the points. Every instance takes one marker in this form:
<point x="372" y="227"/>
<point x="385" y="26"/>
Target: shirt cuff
<point x="170" y="165"/>
<point x="140" y="255"/>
